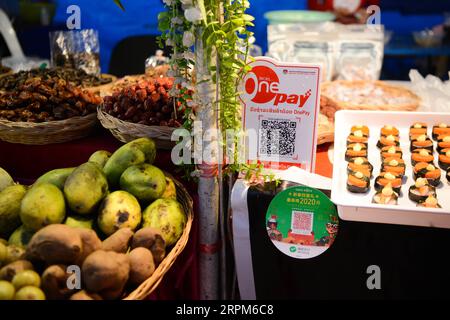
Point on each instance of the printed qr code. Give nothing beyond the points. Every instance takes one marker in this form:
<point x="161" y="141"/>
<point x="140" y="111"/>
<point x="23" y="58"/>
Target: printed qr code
<point x="277" y="137"/>
<point x="302" y="222"/>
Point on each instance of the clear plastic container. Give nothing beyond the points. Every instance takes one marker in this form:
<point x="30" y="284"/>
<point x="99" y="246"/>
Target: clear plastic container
<point x="359" y="61"/>
<point x="316" y="53"/>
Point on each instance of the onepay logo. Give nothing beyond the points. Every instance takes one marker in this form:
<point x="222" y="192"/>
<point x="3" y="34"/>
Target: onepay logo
<point x="262" y="85"/>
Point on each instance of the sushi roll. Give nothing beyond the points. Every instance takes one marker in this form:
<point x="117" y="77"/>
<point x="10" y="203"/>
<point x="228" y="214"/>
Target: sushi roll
<point x="421" y="155"/>
<point x="355" y="150"/>
<point x="441" y="129"/>
<point x="360" y="164"/>
<point x="386" y="196"/>
<point x="388" y="141"/>
<point x="443" y="142"/>
<point x="428" y="171"/>
<point x="418" y="128"/>
<point x="388" y="178"/>
<point x="421" y="142"/>
<point x="359" y="127"/>
<point x="391" y="152"/>
<point x="389" y="130"/>
<point x="357" y="182"/>
<point x="430" y="202"/>
<point x="358" y="136"/>
<point x="393" y="165"/>
<point x="421" y="190"/>
<point x="444" y="158"/>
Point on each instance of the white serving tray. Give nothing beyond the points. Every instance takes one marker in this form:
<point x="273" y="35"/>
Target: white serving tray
<point x="359" y="207"/>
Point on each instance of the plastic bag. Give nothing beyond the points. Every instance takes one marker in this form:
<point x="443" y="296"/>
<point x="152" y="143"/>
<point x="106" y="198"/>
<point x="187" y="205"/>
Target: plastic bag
<point x="76" y="49"/>
<point x="434" y="93"/>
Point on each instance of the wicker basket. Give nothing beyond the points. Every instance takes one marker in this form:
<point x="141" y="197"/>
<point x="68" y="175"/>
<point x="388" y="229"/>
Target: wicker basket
<point x="47" y="132"/>
<point x="128" y="131"/>
<point x="149" y="285"/>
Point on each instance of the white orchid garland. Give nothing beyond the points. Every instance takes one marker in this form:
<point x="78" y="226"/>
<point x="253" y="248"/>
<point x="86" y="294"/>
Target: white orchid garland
<point x="177" y="26"/>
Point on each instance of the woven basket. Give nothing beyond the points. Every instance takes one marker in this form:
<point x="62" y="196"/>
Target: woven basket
<point x="47" y="132"/>
<point x="128" y="131"/>
<point x="149" y="285"/>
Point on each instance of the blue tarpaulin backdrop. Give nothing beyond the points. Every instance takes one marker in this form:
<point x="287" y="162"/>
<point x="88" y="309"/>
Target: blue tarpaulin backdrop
<point x="140" y="18"/>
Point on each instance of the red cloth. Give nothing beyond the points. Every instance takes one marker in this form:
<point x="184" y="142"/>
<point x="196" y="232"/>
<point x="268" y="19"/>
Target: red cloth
<point x="26" y="163"/>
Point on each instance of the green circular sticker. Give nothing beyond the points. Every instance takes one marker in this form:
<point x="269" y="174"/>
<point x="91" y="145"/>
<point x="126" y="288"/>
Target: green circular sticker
<point x="302" y="222"/>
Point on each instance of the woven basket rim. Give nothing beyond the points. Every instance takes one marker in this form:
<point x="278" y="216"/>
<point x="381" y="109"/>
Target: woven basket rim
<point x="24" y="124"/>
<point x="149" y="285"/>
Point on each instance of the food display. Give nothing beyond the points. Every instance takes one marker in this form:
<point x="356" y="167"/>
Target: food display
<point x="400" y="169"/>
<point x="365" y="95"/>
<point x="76" y="77"/>
<point x="3" y="69"/>
<point x="146" y="102"/>
<point x="41" y="100"/>
<point x="115" y="216"/>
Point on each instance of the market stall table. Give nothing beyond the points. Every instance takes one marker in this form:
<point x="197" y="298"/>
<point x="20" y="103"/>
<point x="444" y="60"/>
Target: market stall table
<point x="27" y="162"/>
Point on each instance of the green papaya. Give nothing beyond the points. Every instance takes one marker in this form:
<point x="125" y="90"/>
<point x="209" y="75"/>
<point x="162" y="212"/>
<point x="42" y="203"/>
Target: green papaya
<point x="42" y="205"/>
<point x="5" y="179"/>
<point x="100" y="158"/>
<point x="85" y="188"/>
<point x="20" y="237"/>
<point x="79" y="222"/>
<point x="56" y="177"/>
<point x="135" y="152"/>
<point x="166" y="215"/>
<point x="119" y="210"/>
<point x="144" y="181"/>
<point x="10" y="199"/>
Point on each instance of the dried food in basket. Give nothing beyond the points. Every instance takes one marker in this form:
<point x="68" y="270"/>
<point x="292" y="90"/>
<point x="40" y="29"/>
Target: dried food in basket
<point x="3" y="69"/>
<point x="42" y="100"/>
<point x="76" y="77"/>
<point x="147" y="102"/>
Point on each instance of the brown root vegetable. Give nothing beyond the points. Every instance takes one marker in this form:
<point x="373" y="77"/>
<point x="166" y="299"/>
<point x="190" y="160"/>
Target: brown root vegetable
<point x="54" y="282"/>
<point x="112" y="294"/>
<point x="119" y="241"/>
<point x="142" y="265"/>
<point x="151" y="239"/>
<point x="83" y="295"/>
<point x="105" y="271"/>
<point x="56" y="244"/>
<point x="91" y="243"/>
<point x="10" y="270"/>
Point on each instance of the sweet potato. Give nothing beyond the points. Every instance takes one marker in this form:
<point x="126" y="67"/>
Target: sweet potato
<point x="104" y="272"/>
<point x="142" y="265"/>
<point x="151" y="239"/>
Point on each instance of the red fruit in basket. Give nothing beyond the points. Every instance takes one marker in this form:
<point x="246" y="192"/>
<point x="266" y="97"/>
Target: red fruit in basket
<point x="130" y="112"/>
<point x="141" y="94"/>
<point x="116" y="108"/>
<point x="153" y="121"/>
<point x="177" y="124"/>
<point x="155" y="97"/>
<point x="163" y="123"/>
<point x="156" y="107"/>
<point x="166" y="109"/>
<point x="151" y="88"/>
<point x="162" y="90"/>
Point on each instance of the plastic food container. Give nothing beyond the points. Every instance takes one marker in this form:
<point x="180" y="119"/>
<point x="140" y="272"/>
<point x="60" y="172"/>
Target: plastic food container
<point x="359" y="207"/>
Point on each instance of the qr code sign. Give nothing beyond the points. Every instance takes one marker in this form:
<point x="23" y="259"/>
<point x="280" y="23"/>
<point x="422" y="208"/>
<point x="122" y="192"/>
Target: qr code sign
<point x="302" y="222"/>
<point x="277" y="137"/>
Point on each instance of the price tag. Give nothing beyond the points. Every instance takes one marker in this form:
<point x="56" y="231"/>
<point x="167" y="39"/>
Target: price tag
<point x="280" y="111"/>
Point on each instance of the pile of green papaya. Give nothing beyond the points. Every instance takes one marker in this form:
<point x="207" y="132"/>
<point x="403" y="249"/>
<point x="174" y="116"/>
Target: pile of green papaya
<point x="107" y="193"/>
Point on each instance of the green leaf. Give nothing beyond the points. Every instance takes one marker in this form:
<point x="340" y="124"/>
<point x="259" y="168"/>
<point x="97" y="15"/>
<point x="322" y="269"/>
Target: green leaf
<point x="119" y="4"/>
